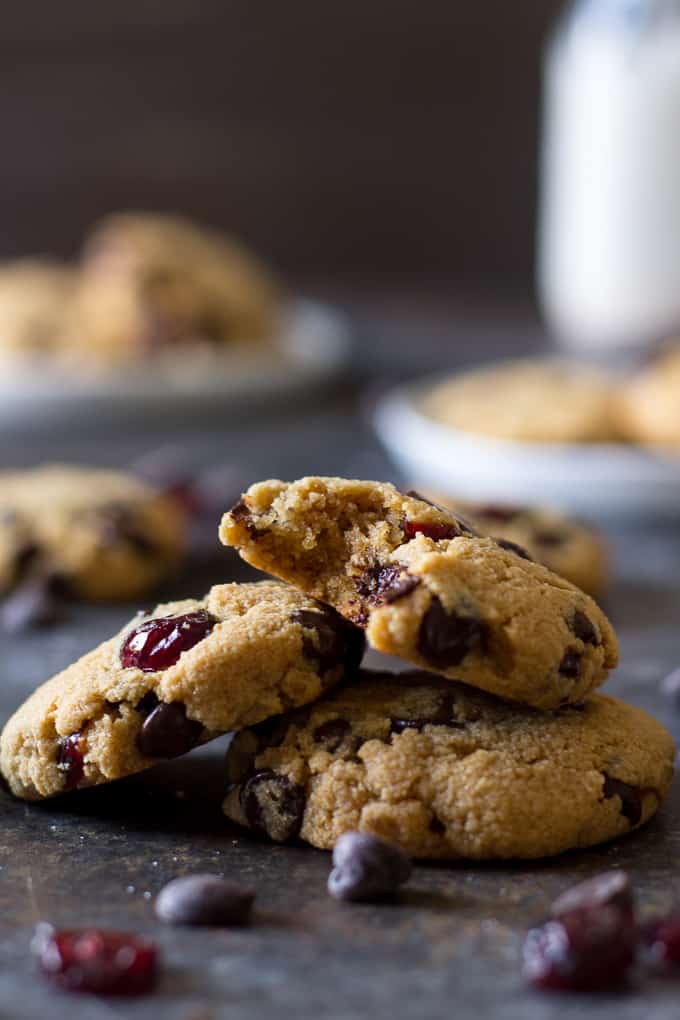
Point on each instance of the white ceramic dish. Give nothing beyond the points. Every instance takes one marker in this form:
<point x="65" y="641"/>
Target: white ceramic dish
<point x="313" y="348"/>
<point x="594" y="480"/>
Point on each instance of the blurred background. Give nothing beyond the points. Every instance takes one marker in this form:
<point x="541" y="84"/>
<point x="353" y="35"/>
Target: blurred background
<point x="356" y="140"/>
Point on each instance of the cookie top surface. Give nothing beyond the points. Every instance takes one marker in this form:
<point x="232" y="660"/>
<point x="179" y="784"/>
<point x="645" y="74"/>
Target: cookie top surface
<point x="533" y="400"/>
<point x="650" y="404"/>
<point x="566" y="546"/>
<point x="36" y="307"/>
<point x="174" y="678"/>
<point x="153" y="282"/>
<point x="109" y="535"/>
<point x="426" y="588"/>
<point x="446" y="771"/>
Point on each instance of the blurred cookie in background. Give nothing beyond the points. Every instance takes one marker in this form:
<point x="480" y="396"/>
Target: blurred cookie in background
<point x="538" y="400"/>
<point x="649" y="404"/>
<point x="104" y="534"/>
<point x="153" y="282"/>
<point x="565" y="545"/>
<point x="37" y="313"/>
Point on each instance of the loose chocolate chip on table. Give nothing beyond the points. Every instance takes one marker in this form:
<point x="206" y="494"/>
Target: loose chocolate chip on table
<point x="273" y="805"/>
<point x="167" y="732"/>
<point x="204" y="899"/>
<point x="446" y="638"/>
<point x="519" y="550"/>
<point x="583" y="628"/>
<point x="385" y="584"/>
<point x="332" y="733"/>
<point x="630" y="796"/>
<point x="70" y="760"/>
<point x="336" y="642"/>
<point x="570" y="666"/>
<point x="96" y="961"/>
<point x="367" y="868"/>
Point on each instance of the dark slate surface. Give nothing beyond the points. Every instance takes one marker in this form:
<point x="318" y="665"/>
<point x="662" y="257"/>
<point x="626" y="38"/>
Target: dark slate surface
<point x="450" y="947"/>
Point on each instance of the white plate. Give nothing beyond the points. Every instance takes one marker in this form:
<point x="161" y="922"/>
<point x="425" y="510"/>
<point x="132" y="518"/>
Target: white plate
<point x="595" y="480"/>
<point x="313" y="348"/>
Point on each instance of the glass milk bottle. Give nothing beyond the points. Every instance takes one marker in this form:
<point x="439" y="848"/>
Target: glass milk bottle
<point x="609" y="217"/>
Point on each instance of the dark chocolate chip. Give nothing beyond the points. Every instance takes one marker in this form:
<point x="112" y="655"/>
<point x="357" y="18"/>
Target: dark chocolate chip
<point x="204" y="899"/>
<point x="241" y="513"/>
<point x="446" y="638"/>
<point x="167" y="732"/>
<point x="583" y="628"/>
<point x="549" y="539"/>
<point x="271" y="732"/>
<point x="273" y="805"/>
<point x="630" y="796"/>
<point x="147" y="703"/>
<point x="443" y="715"/>
<point x="332" y="733"/>
<point x="367" y="868"/>
<point x="437" y="826"/>
<point x="118" y="524"/>
<point x="570" y="666"/>
<point x="519" y="550"/>
<point x="335" y="641"/>
<point x="385" y="584"/>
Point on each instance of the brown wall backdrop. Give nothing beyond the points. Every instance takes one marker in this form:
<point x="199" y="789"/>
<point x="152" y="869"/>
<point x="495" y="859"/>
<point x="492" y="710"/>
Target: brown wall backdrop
<point x="338" y="136"/>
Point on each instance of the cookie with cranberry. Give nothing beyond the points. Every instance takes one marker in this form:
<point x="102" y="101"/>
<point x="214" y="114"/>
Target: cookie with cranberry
<point x="106" y="535"/>
<point x="426" y="588"/>
<point x="152" y="284"/>
<point x="649" y="406"/>
<point x="566" y="546"/>
<point x="446" y="771"/>
<point x="533" y="399"/>
<point x="175" y="678"/>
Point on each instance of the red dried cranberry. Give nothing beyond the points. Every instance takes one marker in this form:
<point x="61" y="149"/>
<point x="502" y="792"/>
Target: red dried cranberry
<point x="158" y="644"/>
<point x="437" y="532"/>
<point x="97" y="962"/>
<point x="70" y="760"/>
<point x="590" y="941"/>
<point x="661" y="937"/>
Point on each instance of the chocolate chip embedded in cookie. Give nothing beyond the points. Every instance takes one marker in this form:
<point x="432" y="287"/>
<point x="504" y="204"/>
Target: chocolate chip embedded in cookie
<point x="104" y="533"/>
<point x="173" y="679"/>
<point x="426" y="588"/>
<point x="446" y="771"/>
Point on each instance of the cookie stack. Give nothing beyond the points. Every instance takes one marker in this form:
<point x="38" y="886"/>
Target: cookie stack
<point x="495" y="747"/>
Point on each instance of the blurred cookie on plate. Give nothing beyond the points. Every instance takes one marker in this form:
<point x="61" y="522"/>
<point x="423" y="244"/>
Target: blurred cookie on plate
<point x="106" y="535"/>
<point x="535" y="400"/>
<point x="565" y="545"/>
<point x="155" y="282"/>
<point x="649" y="405"/>
<point x="36" y="307"/>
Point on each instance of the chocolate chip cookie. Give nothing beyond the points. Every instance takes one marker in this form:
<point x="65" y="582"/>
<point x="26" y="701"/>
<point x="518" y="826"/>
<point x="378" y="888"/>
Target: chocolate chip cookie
<point x="151" y="283"/>
<point x="37" y="309"/>
<point x="175" y="678"/>
<point x="566" y="546"/>
<point x="446" y="771"/>
<point x="107" y="535"/>
<point x="649" y="405"/>
<point x="426" y="588"/>
<point x="535" y="400"/>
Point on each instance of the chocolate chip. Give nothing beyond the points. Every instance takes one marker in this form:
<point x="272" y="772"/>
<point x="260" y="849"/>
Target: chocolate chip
<point x="583" y="628"/>
<point x="443" y="715"/>
<point x="332" y="733"/>
<point x="519" y="550"/>
<point x="570" y="666"/>
<point x="273" y="805"/>
<point x="36" y="602"/>
<point x="437" y="826"/>
<point x="241" y="513"/>
<point x="550" y="539"/>
<point x="147" y="703"/>
<point x="271" y="732"/>
<point x="446" y="638"/>
<point x="335" y="641"/>
<point x="367" y="868"/>
<point x="167" y="732"/>
<point x="204" y="899"/>
<point x="630" y="796"/>
<point x="118" y="524"/>
<point x="385" y="584"/>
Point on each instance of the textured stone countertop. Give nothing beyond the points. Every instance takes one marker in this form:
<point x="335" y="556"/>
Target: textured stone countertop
<point x="450" y="947"/>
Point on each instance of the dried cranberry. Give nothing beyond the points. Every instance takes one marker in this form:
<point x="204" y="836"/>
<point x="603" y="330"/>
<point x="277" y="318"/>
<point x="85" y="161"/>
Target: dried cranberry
<point x="610" y="888"/>
<point x="661" y="939"/>
<point x="97" y="962"/>
<point x="437" y="532"/>
<point x="158" y="644"/>
<point x="70" y="760"/>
